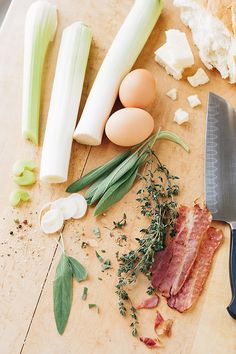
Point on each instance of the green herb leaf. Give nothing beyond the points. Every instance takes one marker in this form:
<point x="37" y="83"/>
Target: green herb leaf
<point x="115" y="176"/>
<point x="106" y="265"/>
<point x="85" y="293"/>
<point x="62" y="293"/>
<point x="116" y="192"/>
<point x="97" y="232"/>
<point x="121" y="223"/>
<point x="93" y="175"/>
<point x="92" y="189"/>
<point x="99" y="257"/>
<point x="91" y="306"/>
<point x="78" y="270"/>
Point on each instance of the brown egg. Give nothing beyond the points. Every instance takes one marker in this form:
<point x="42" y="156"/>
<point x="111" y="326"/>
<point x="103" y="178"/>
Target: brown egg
<point x="129" y="126"/>
<point x="138" y="89"/>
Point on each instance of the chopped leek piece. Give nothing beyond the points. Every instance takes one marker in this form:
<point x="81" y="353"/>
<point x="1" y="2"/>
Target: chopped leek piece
<point x="65" y="100"/>
<point x="21" y="165"/>
<point x="25" y="179"/>
<point x="17" y="196"/>
<point x="119" y="60"/>
<point x="40" y="28"/>
<point x="52" y="221"/>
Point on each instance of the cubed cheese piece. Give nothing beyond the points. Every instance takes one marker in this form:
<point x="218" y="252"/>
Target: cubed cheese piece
<point x="180" y="49"/>
<point x="194" y="101"/>
<point x="164" y="58"/>
<point x="200" y="78"/>
<point x="181" y="116"/>
<point x="172" y="94"/>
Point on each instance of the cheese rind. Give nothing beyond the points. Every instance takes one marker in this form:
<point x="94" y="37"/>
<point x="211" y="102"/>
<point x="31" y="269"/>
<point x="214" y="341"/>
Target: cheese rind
<point x="172" y="94"/>
<point x="181" y="116"/>
<point x="199" y="78"/>
<point x="164" y="58"/>
<point x="194" y="101"/>
<point x="179" y="48"/>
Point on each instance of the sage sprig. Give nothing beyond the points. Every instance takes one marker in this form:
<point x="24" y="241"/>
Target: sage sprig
<point x="68" y="267"/>
<point x="109" y="183"/>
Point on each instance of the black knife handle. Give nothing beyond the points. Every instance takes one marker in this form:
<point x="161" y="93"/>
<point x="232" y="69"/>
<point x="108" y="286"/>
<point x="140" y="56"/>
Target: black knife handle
<point x="232" y="269"/>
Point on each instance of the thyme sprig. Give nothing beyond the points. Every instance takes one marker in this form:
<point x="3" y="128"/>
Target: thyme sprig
<point x="157" y="203"/>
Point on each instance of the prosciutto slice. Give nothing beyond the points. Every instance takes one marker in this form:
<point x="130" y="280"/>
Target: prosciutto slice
<point x="194" y="284"/>
<point x="172" y="266"/>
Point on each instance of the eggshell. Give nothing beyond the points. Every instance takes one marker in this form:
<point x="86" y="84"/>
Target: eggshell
<point x="138" y="89"/>
<point x="129" y="126"/>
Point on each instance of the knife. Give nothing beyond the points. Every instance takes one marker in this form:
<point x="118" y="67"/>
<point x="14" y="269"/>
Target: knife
<point x="220" y="174"/>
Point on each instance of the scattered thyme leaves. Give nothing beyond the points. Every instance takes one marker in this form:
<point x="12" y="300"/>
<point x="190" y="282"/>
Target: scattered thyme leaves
<point x="150" y="290"/>
<point x="85" y="293"/>
<point x="106" y="265"/>
<point x="99" y="257"/>
<point x="120" y="224"/>
<point x="157" y="203"/>
<point x="97" y="232"/>
<point x="92" y="306"/>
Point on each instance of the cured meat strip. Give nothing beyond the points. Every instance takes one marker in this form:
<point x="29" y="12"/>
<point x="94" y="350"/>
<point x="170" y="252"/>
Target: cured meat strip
<point x="193" y="286"/>
<point x="163" y="258"/>
<point x="171" y="273"/>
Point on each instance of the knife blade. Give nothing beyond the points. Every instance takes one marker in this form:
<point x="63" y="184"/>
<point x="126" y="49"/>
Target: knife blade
<point x="220" y="174"/>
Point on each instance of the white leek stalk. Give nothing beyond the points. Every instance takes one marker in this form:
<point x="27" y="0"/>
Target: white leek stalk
<point x="65" y="100"/>
<point x="40" y="28"/>
<point x="119" y="60"/>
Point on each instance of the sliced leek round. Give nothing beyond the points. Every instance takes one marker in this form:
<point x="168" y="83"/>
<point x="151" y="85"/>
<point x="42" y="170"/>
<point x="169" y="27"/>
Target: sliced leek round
<point x="52" y="221"/>
<point x="81" y="205"/>
<point x="67" y="206"/>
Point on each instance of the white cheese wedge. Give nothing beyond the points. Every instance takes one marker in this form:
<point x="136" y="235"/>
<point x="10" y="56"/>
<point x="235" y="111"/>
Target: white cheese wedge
<point x="172" y="94"/>
<point x="181" y="116"/>
<point x="194" y="101"/>
<point x="180" y="49"/>
<point x="165" y="59"/>
<point x="199" y="78"/>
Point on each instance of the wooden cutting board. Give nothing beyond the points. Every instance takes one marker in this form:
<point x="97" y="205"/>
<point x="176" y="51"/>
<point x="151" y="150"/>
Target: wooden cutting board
<point x="28" y="258"/>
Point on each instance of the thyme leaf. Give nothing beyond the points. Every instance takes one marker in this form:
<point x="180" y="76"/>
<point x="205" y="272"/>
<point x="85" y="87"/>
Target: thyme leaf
<point x="158" y="204"/>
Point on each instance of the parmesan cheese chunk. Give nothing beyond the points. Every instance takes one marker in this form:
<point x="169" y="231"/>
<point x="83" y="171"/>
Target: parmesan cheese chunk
<point x="194" y="101"/>
<point x="181" y="116"/>
<point x="172" y="94"/>
<point x="165" y="59"/>
<point x="180" y="49"/>
<point x="199" y="78"/>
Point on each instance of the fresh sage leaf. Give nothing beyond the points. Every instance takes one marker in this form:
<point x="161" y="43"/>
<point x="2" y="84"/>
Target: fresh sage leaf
<point x="92" y="189"/>
<point x="62" y="293"/>
<point x="93" y="175"/>
<point x="116" y="192"/>
<point x="78" y="270"/>
<point x="114" y="176"/>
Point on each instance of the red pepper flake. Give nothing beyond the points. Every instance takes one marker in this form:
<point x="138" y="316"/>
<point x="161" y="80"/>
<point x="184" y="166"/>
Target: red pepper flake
<point x="25" y="222"/>
<point x="149" y="342"/>
<point x="159" y="319"/>
<point x="149" y="303"/>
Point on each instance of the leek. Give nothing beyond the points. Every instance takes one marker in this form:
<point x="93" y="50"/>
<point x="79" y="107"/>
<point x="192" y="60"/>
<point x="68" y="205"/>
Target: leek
<point x="65" y="100"/>
<point x="119" y="60"/>
<point x="40" y="28"/>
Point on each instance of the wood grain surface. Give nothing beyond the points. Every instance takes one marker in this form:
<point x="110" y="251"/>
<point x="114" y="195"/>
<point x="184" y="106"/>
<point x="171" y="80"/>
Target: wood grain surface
<point x="28" y="258"/>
